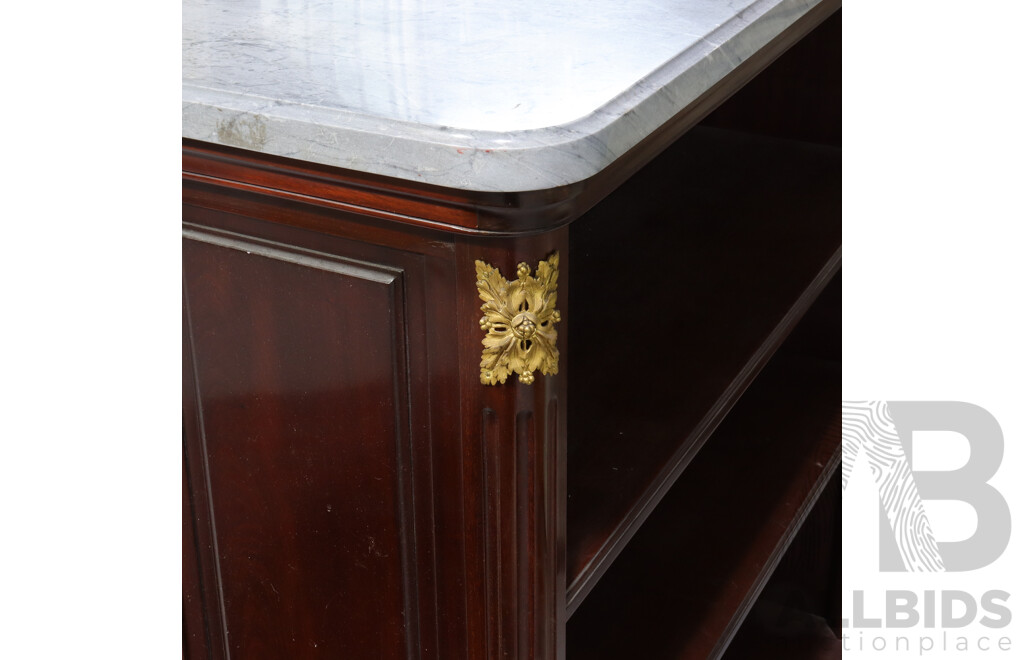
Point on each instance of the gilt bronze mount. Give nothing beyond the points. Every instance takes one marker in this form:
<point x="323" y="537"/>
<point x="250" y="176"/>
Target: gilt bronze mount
<point x="519" y="321"/>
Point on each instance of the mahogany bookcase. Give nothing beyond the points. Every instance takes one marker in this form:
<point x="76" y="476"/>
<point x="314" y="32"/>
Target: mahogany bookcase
<point x="351" y="489"/>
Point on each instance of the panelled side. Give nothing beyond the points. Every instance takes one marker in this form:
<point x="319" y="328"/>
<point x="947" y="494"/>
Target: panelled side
<point x="302" y="450"/>
<point x="355" y="489"/>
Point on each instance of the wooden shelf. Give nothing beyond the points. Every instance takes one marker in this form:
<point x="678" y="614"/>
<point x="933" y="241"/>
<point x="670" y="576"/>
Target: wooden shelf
<point x="817" y="642"/>
<point x="685" y="582"/>
<point x="678" y="327"/>
<point x="797" y="614"/>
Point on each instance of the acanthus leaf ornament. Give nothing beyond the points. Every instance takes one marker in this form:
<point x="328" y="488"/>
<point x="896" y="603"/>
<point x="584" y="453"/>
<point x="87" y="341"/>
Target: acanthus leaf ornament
<point x="519" y="321"/>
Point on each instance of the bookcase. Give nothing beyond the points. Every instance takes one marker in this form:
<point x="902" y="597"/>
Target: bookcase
<point x="351" y="487"/>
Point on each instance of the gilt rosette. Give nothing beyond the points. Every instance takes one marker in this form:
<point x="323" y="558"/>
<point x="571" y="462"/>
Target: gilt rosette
<point x="519" y="321"/>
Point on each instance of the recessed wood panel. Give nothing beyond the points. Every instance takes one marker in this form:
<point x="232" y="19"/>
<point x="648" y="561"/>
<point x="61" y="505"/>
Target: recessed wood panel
<point x="300" y="368"/>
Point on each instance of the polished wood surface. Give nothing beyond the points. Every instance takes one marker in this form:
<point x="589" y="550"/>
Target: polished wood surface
<point x="683" y="585"/>
<point x="791" y="618"/>
<point x="311" y="432"/>
<point x="802" y="637"/>
<point x="675" y="328"/>
<point x="514" y="453"/>
<point x="355" y="490"/>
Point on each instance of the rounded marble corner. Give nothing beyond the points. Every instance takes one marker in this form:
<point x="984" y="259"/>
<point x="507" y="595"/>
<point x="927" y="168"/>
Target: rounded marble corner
<point x="536" y="158"/>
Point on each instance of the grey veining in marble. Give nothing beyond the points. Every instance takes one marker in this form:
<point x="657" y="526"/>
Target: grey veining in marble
<point x="491" y="96"/>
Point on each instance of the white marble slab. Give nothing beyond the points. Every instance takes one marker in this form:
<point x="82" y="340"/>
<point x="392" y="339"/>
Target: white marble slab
<point x="508" y="95"/>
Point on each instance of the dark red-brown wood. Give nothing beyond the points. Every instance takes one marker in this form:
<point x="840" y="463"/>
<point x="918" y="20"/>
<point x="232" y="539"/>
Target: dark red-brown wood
<point x="673" y="328"/>
<point x="362" y="494"/>
<point x="684" y="583"/>
<point x="520" y="458"/>
<point x="195" y="626"/>
<point x="311" y="435"/>
<point x="791" y="616"/>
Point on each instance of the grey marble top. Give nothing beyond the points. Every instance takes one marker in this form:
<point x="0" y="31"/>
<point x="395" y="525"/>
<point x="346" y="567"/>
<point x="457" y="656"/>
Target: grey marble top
<point x="508" y="95"/>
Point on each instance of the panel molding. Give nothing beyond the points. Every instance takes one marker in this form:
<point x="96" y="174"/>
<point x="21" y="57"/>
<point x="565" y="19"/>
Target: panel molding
<point x="393" y="281"/>
<point x="300" y="257"/>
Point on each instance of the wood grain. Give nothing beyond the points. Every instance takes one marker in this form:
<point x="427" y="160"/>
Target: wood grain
<point x="332" y="360"/>
<point x="306" y="419"/>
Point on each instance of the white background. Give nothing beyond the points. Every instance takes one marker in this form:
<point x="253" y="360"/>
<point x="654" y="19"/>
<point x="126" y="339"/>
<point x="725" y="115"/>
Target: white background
<point x="90" y="469"/>
<point x="90" y="273"/>
<point x="933" y="273"/>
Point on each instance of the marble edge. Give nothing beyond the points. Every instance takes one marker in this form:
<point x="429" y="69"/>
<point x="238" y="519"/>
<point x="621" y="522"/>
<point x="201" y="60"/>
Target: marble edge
<point x="485" y="161"/>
